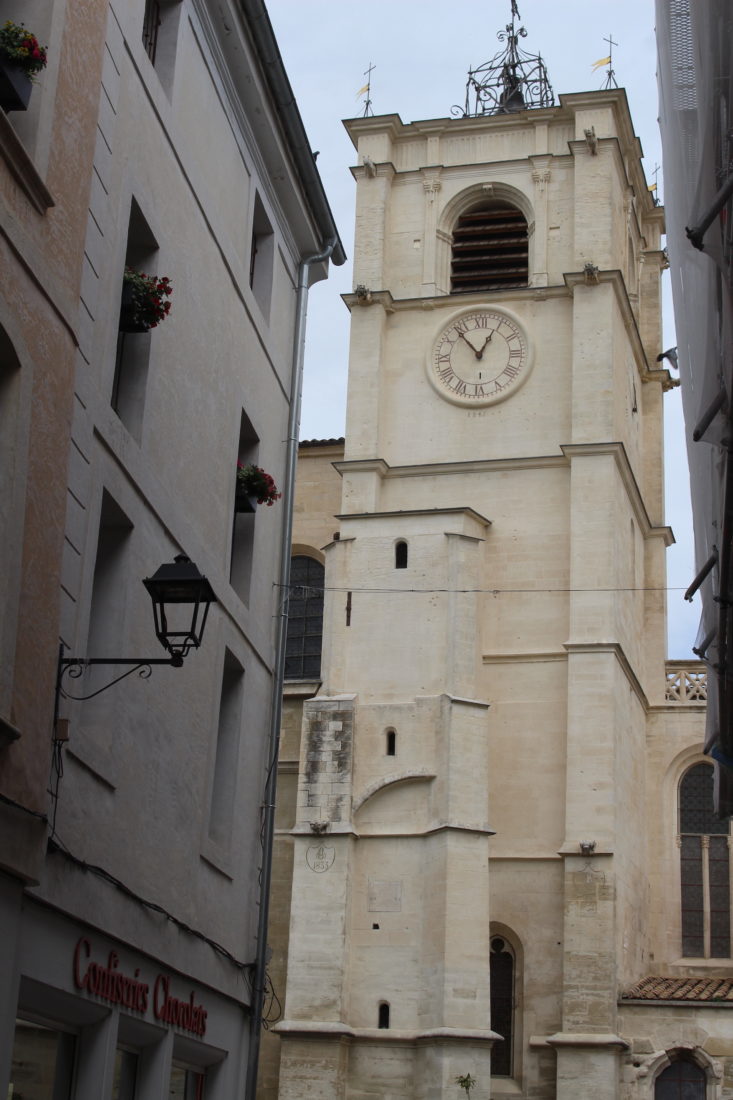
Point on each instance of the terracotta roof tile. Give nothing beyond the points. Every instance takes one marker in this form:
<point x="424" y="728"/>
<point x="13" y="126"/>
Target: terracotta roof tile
<point x="681" y="989"/>
<point x="321" y="442"/>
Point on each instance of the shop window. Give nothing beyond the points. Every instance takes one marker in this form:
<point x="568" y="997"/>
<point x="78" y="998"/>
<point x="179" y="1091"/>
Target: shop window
<point x="261" y="257"/>
<point x="400" y="555"/>
<point x="490" y="249"/>
<point x="383" y="1015"/>
<point x="226" y="762"/>
<point x="501" y="977"/>
<point x="160" y="34"/>
<point x="305" y="619"/>
<point x="43" y="1062"/>
<point x="704" y="868"/>
<point x="124" y="1084"/>
<point x="682" y="1080"/>
<point x="186" y="1083"/>
<point x="391" y="743"/>
<point x="243" y="529"/>
<point x="133" y="348"/>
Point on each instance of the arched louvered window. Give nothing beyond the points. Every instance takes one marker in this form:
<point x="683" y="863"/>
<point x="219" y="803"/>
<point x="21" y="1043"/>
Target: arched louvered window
<point x="501" y="990"/>
<point x="305" y="619"/>
<point x="682" y="1080"/>
<point x="704" y="868"/>
<point x="490" y="249"/>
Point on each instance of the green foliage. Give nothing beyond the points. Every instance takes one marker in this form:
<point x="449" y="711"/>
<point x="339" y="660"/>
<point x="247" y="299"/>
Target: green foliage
<point x="21" y="47"/>
<point x="255" y="482"/>
<point x="466" y="1082"/>
<point x="148" y="292"/>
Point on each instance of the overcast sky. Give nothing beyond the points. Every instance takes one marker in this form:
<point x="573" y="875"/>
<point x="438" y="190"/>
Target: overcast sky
<point x="422" y="52"/>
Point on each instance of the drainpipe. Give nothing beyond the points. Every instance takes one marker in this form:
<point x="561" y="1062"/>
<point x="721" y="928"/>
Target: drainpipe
<point x="296" y="392"/>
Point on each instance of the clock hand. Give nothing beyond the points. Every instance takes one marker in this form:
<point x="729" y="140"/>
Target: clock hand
<point x="473" y="349"/>
<point x="480" y="354"/>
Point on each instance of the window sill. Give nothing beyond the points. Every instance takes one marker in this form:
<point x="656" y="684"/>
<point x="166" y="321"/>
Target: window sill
<point x="8" y="733"/>
<point x="301" y="689"/>
<point x="22" y="168"/>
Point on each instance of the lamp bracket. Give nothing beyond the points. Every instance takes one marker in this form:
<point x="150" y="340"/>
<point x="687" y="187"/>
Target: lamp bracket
<point x="74" y="667"/>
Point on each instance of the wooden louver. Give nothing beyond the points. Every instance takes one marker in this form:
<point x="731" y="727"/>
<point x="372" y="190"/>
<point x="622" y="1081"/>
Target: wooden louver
<point x="490" y="249"/>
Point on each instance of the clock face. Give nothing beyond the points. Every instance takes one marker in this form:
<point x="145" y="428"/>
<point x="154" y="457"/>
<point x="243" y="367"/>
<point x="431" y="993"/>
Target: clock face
<point x="479" y="358"/>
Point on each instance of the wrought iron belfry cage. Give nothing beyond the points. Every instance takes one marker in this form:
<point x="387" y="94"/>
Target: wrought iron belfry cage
<point x="512" y="81"/>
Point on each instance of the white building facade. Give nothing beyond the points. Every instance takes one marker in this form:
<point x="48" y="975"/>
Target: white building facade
<point x="131" y="955"/>
<point x="498" y="837"/>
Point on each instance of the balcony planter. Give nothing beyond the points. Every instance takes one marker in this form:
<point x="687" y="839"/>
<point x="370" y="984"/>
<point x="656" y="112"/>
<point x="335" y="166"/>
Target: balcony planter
<point x="244" y="502"/>
<point x="254" y="486"/>
<point x="15" y="85"/>
<point x="20" y="59"/>
<point x="129" y="320"/>
<point x="142" y="306"/>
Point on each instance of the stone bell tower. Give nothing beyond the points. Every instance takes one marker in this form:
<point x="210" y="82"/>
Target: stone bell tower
<point x="468" y="869"/>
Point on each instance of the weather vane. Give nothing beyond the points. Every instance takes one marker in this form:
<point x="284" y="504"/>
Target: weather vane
<point x="367" y="90"/>
<point x="512" y="81"/>
<point x="610" y="74"/>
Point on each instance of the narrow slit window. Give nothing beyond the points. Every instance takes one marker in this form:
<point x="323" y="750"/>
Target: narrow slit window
<point x="490" y="249"/>
<point x="400" y="555"/>
<point x="384" y="1015"/>
<point x="129" y="385"/>
<point x="391" y="743"/>
<point x="501" y="978"/>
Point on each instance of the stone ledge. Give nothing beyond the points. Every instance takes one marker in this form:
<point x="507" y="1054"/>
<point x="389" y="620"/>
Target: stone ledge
<point x="8" y="733"/>
<point x="305" y="1029"/>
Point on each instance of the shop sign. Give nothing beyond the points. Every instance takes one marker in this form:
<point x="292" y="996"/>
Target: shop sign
<point x="132" y="992"/>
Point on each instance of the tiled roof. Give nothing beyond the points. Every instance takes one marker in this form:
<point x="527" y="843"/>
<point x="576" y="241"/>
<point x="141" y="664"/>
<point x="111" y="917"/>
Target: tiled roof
<point x="681" y="989"/>
<point x="320" y="442"/>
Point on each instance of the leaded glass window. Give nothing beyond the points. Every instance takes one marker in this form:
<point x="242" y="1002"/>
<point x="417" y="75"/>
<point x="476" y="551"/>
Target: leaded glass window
<point x="305" y="619"/>
<point x="501" y="973"/>
<point x="704" y="868"/>
<point x="682" y="1080"/>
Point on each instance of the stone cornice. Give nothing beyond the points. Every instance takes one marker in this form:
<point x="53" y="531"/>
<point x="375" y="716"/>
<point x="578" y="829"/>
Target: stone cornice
<point x="309" y="1029"/>
<point x="616" y="280"/>
<point x="580" y="450"/>
<point x="584" y="1039"/>
<point x="617" y="649"/>
<point x="429" y="469"/>
<point x="523" y="658"/>
<point x="466" y="511"/>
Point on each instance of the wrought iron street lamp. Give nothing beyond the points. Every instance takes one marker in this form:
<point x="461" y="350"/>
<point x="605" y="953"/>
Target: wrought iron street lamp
<point x="181" y="600"/>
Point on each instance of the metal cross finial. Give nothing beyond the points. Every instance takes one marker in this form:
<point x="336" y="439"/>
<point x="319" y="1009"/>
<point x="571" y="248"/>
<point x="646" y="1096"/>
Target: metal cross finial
<point x="610" y="74"/>
<point x="368" y="89"/>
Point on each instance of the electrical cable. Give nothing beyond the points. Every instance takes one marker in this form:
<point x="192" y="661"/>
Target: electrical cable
<point x="56" y="846"/>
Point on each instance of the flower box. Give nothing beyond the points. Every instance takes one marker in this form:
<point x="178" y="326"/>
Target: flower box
<point x="15" y="85"/>
<point x="21" y="57"/>
<point x="254" y="486"/>
<point x="244" y="502"/>
<point x="143" y="306"/>
<point x="129" y="321"/>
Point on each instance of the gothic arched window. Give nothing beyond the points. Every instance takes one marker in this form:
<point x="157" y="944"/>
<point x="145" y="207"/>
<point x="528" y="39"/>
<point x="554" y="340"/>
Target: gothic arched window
<point x="501" y="992"/>
<point x="305" y="619"/>
<point x="682" y="1080"/>
<point x="490" y="248"/>
<point x="704" y="868"/>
